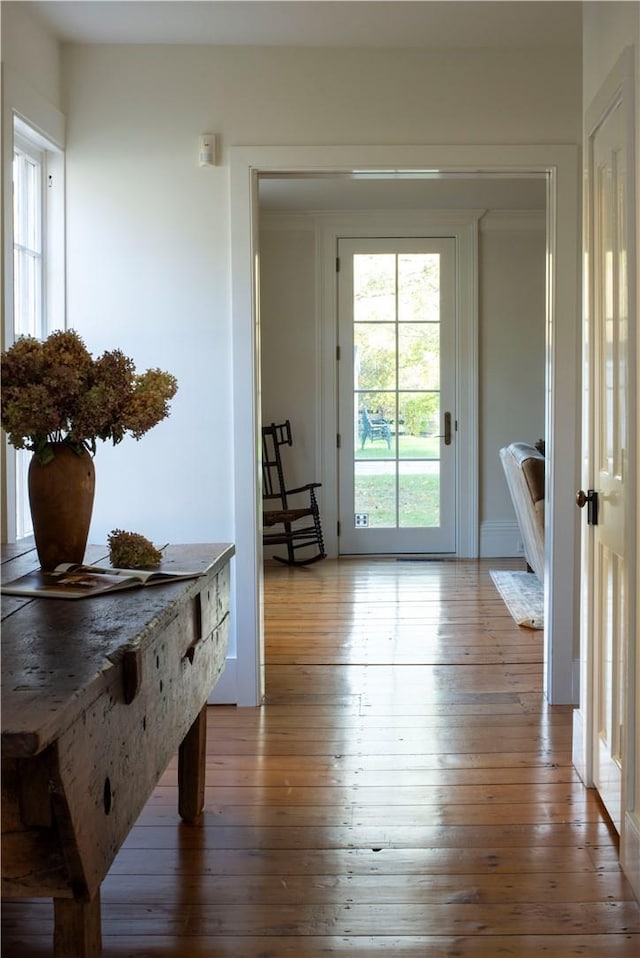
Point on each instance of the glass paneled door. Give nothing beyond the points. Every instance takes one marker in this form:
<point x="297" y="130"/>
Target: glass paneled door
<point x="396" y="306"/>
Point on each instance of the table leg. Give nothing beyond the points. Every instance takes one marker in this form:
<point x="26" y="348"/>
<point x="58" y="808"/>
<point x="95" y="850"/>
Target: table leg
<point x="192" y="769"/>
<point x="77" y="928"/>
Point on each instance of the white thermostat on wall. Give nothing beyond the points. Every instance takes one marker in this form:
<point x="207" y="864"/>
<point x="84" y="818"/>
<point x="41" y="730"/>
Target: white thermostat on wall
<point x="207" y="149"/>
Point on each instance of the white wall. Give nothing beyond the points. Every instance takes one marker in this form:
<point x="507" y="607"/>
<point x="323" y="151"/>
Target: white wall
<point x="29" y="51"/>
<point x="148" y="273"/>
<point x="287" y="316"/>
<point x="607" y="28"/>
<point x="289" y="385"/>
<point x="512" y="361"/>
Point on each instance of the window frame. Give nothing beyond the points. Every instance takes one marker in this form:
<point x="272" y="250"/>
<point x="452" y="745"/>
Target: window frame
<point x="49" y="305"/>
<point x="22" y="146"/>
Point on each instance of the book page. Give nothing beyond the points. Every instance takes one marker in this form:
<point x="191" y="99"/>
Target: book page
<point x="72" y="584"/>
<point x="143" y="576"/>
<point x="73" y="581"/>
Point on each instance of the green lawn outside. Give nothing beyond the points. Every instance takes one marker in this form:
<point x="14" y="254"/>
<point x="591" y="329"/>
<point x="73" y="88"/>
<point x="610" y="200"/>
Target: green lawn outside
<point x="419" y="501"/>
<point x="410" y="447"/>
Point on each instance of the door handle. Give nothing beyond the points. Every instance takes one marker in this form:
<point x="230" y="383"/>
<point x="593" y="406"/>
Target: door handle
<point x="446" y="435"/>
<point x="447" y="429"/>
<point x="590" y="500"/>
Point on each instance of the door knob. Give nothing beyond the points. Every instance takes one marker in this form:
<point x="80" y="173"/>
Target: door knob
<point x="589" y="499"/>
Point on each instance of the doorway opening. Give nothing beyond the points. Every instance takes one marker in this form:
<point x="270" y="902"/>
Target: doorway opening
<point x="557" y="166"/>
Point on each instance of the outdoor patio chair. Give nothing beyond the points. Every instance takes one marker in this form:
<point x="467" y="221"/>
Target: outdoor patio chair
<point x="374" y="427"/>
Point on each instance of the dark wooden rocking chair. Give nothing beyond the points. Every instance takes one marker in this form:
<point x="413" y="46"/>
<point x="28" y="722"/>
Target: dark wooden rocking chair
<point x="297" y="528"/>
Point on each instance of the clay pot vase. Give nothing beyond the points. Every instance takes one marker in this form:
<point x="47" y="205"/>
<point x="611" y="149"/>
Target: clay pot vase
<point x="61" y="499"/>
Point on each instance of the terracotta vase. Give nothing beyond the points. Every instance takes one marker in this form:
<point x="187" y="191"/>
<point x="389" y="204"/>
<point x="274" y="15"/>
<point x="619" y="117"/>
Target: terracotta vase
<point x="61" y="499"/>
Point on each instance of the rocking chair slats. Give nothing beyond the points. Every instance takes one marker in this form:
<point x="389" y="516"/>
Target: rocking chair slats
<point x="299" y="528"/>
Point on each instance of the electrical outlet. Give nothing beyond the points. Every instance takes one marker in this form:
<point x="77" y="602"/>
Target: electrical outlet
<point x="361" y="520"/>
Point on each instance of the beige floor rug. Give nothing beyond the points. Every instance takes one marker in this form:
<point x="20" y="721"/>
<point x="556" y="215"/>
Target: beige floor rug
<point x="523" y="595"/>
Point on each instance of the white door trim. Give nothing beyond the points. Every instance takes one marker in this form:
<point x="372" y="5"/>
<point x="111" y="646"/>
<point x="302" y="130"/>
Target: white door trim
<point x="560" y="163"/>
<point x="462" y="226"/>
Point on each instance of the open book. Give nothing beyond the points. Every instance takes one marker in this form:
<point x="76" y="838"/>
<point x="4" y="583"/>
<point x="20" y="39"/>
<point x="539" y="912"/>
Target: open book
<point x="73" y="581"/>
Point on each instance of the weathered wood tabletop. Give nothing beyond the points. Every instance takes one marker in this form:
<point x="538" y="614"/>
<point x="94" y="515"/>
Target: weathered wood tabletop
<point x="98" y="694"/>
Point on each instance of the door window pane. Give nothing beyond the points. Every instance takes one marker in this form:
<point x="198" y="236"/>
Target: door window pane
<point x="419" y="356"/>
<point x="374" y="356"/>
<point x="418" y="287"/>
<point x="374" y="287"/>
<point x="420" y="422"/>
<point x="375" y="495"/>
<point x="374" y="425"/>
<point x="419" y="494"/>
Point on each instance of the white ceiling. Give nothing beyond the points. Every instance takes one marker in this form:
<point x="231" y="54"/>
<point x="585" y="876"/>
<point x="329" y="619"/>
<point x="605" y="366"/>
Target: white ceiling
<point x="344" y="23"/>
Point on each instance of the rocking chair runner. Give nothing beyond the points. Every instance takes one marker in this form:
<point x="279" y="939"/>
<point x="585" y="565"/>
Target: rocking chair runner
<point x="297" y="528"/>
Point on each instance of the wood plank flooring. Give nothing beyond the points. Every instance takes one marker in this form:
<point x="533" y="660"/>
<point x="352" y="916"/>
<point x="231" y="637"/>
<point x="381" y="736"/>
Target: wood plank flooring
<point x="405" y="791"/>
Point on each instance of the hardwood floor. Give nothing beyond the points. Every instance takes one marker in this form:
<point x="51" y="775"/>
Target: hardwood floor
<point x="405" y="791"/>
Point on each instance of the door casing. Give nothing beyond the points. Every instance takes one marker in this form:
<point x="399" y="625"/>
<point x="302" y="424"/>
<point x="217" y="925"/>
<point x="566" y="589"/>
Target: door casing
<point x="559" y="163"/>
<point x="462" y="226"/>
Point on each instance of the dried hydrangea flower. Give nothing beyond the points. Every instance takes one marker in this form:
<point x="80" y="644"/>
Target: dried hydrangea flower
<point x="130" y="550"/>
<point x="54" y="391"/>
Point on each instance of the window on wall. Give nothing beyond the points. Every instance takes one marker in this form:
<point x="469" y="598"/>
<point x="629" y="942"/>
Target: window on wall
<point x="38" y="276"/>
<point x="28" y="259"/>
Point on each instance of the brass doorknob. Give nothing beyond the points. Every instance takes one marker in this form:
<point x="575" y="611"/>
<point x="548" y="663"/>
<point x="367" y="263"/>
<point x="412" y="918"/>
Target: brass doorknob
<point x="581" y="499"/>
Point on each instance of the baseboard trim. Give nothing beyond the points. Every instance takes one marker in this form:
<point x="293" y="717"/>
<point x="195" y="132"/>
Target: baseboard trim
<point x="579" y="751"/>
<point x="500" y="539"/>
<point x="225" y="691"/>
<point x="575" y="682"/>
<point x="630" y="851"/>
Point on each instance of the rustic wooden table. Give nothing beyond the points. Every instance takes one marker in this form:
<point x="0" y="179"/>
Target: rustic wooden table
<point x="98" y="695"/>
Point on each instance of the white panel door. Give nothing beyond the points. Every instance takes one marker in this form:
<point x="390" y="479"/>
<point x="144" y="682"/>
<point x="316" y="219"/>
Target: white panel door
<point x="397" y="389"/>
<point x="609" y="408"/>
